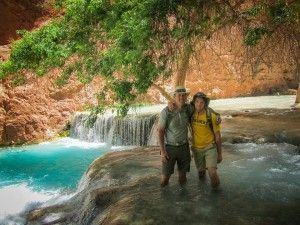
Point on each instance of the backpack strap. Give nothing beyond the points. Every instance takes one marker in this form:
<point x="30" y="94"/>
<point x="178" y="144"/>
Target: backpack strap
<point x="169" y="118"/>
<point x="213" y="111"/>
<point x="187" y="110"/>
<point x="209" y="111"/>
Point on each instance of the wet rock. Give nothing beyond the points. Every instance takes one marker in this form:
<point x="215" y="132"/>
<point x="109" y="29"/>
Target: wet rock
<point x="114" y="183"/>
<point x="123" y="188"/>
<point x="261" y="126"/>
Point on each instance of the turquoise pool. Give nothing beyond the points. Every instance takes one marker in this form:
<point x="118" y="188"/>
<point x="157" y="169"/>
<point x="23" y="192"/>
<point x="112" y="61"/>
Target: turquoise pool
<point x="36" y="173"/>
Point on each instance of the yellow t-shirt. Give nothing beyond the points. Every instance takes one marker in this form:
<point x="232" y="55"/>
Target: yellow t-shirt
<point x="201" y="132"/>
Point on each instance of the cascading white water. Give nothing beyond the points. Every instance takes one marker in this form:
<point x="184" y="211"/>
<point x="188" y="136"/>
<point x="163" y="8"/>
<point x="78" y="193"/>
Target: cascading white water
<point x="130" y="130"/>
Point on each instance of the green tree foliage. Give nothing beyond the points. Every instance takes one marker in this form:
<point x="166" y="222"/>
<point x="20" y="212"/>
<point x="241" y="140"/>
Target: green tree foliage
<point x="265" y="17"/>
<point x="132" y="43"/>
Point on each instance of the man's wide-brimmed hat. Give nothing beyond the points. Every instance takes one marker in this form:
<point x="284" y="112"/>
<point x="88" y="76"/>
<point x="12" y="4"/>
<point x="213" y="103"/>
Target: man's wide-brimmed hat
<point x="181" y="89"/>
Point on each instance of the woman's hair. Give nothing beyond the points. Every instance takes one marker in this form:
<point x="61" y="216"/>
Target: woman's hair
<point x="200" y="95"/>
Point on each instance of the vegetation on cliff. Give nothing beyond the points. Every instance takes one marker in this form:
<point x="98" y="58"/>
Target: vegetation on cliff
<point x="136" y="44"/>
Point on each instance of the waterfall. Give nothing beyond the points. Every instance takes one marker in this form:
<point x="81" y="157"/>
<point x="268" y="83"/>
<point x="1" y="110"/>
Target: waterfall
<point x="129" y="130"/>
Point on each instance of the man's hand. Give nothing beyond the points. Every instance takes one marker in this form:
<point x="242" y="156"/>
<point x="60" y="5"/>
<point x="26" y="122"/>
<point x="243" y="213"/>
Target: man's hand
<point x="164" y="155"/>
<point x="171" y="106"/>
<point x="220" y="158"/>
<point x="219" y="119"/>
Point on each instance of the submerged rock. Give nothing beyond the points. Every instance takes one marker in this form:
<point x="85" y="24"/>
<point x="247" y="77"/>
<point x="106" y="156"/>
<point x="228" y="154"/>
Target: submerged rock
<point x="123" y="188"/>
<point x="115" y="181"/>
<point x="258" y="180"/>
<point x="262" y="126"/>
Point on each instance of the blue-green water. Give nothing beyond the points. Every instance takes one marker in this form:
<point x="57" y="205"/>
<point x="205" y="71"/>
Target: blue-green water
<point x="50" y="166"/>
<point x="37" y="173"/>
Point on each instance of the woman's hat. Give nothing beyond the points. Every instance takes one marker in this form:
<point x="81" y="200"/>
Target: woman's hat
<point x="201" y="95"/>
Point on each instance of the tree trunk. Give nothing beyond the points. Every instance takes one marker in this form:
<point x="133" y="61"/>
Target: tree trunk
<point x="184" y="65"/>
<point x="163" y="92"/>
<point x="298" y="95"/>
<point x="180" y="76"/>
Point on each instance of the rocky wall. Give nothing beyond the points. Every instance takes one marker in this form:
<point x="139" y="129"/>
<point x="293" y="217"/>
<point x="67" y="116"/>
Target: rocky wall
<point x="32" y="109"/>
<point x="38" y="109"/>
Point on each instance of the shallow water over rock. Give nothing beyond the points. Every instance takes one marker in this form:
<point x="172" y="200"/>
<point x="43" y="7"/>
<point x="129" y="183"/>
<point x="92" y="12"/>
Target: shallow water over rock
<point x="260" y="184"/>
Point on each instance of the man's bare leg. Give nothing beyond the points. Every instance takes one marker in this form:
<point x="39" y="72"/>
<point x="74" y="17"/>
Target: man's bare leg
<point x="214" y="178"/>
<point x="164" y="181"/>
<point x="181" y="177"/>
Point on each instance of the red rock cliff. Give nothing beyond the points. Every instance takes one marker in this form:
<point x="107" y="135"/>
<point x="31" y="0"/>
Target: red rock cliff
<point x="222" y="67"/>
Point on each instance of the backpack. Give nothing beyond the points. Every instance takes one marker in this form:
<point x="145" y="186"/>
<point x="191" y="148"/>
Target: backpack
<point x="209" y="111"/>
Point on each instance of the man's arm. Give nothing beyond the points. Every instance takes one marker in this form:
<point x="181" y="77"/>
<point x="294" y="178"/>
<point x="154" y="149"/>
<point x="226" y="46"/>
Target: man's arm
<point x="219" y="145"/>
<point x="161" y="139"/>
<point x="162" y="123"/>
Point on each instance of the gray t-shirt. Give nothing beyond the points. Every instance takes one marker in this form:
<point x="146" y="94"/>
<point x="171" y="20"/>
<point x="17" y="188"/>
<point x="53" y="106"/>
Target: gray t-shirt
<point x="176" y="125"/>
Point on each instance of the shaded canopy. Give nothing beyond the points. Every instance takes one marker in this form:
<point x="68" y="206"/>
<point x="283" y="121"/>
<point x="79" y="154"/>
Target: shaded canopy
<point x="134" y="44"/>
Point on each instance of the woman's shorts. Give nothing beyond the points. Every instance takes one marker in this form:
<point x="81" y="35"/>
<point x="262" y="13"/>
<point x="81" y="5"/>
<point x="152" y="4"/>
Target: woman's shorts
<point x="206" y="157"/>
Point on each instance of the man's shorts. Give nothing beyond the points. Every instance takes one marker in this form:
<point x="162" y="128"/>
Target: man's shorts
<point x="181" y="155"/>
<point x="206" y="157"/>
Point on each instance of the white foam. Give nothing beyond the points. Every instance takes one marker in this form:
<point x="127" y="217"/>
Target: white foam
<point x="121" y="148"/>
<point x="258" y="159"/>
<point x="52" y="218"/>
<point x="15" y="199"/>
<point x="236" y="163"/>
<point x="294" y="159"/>
<point x="297" y="172"/>
<point x="246" y="147"/>
<point x="72" y="142"/>
<point x="277" y="170"/>
<point x="58" y="199"/>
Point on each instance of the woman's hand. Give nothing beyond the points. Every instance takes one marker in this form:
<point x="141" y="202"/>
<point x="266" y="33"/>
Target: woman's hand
<point x="218" y="120"/>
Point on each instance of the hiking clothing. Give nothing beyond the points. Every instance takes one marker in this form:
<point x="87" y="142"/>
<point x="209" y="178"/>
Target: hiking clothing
<point x="206" y="157"/>
<point x="181" y="155"/>
<point x="202" y="134"/>
<point x="175" y="124"/>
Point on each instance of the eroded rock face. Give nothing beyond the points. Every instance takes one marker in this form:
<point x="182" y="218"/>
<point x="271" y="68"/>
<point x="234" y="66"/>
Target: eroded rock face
<point x="20" y="15"/>
<point x="222" y="67"/>
<point x="38" y="109"/>
<point x="225" y="67"/>
<point x="2" y="111"/>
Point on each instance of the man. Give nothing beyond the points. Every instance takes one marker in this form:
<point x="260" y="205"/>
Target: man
<point x="206" y="139"/>
<point x="173" y="138"/>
